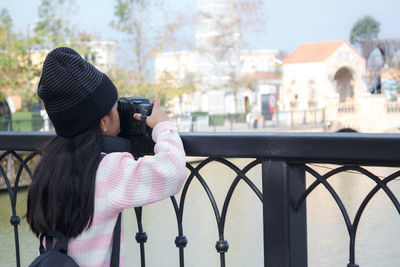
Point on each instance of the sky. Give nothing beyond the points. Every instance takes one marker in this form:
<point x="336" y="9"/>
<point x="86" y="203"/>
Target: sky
<point x="289" y="22"/>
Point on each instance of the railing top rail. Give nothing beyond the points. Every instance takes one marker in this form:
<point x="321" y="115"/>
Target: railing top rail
<point x="350" y="148"/>
<point x="342" y="148"/>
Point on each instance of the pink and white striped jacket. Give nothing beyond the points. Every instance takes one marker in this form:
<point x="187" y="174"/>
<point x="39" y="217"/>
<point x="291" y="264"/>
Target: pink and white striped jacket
<point x="122" y="182"/>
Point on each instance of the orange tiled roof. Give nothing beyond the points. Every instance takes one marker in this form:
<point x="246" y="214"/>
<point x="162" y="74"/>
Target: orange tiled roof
<point x="314" y="52"/>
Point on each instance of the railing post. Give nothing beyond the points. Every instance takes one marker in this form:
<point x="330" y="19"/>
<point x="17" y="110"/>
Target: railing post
<point x="277" y="118"/>
<point x="231" y="121"/>
<point x="315" y="116"/>
<point x="215" y="126"/>
<point x="285" y="231"/>
<point x="291" y="118"/>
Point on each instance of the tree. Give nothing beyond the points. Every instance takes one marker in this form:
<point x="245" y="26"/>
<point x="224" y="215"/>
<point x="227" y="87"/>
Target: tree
<point x="169" y="86"/>
<point x="176" y="34"/>
<point x="130" y="19"/>
<point x="134" y="19"/>
<point x="225" y="33"/>
<point x="16" y="70"/>
<point x="54" y="28"/>
<point x="365" y="29"/>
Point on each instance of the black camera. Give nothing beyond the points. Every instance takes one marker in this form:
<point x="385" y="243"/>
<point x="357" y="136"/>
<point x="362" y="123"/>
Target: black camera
<point x="137" y="132"/>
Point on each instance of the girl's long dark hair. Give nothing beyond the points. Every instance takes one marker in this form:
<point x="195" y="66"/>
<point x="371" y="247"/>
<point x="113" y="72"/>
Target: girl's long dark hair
<point x="61" y="195"/>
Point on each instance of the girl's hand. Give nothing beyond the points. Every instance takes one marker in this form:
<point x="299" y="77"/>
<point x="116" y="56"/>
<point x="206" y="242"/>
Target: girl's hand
<point x="157" y="115"/>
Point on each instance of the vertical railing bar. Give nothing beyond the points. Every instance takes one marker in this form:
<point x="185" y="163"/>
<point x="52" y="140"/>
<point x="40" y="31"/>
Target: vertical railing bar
<point x="17" y="241"/>
<point x="14" y="219"/>
<point x="285" y="230"/>
<point x="222" y="259"/>
<point x="181" y="257"/>
<point x="352" y="244"/>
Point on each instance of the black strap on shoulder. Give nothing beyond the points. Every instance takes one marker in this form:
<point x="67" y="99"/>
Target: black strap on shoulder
<point x="115" y="144"/>
<point x="62" y="242"/>
<point x="116" y="243"/>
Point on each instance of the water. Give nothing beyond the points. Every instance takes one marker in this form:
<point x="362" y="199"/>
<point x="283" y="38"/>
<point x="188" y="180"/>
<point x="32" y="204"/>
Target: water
<point x="377" y="243"/>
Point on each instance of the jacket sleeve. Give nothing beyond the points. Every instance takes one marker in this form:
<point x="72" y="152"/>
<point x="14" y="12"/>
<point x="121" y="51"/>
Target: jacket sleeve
<point x="125" y="182"/>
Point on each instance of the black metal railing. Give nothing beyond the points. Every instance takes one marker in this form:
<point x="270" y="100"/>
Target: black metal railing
<point x="285" y="158"/>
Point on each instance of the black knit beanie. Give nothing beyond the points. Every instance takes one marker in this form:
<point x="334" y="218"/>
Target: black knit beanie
<point x="76" y="95"/>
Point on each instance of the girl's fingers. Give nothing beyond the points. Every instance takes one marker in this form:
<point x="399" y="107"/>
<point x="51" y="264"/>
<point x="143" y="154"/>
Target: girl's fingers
<point x="137" y="116"/>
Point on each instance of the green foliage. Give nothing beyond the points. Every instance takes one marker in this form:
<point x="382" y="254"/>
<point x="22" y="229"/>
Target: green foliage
<point x="128" y="13"/>
<point x="53" y="28"/>
<point x="239" y="117"/>
<point x="133" y="18"/>
<point x="16" y="70"/>
<point x="5" y="20"/>
<point x="199" y="113"/>
<point x="26" y="121"/>
<point x="168" y="86"/>
<point x="365" y="29"/>
<point x="216" y="120"/>
<point x="127" y="84"/>
<point x="21" y="115"/>
<point x="18" y="75"/>
<point x="2" y="97"/>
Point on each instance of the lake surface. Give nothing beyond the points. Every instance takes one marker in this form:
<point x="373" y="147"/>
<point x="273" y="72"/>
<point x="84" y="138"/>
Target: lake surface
<point x="377" y="243"/>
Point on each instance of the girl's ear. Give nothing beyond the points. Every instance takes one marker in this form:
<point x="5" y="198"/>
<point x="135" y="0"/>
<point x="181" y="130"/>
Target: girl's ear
<point x="104" y="123"/>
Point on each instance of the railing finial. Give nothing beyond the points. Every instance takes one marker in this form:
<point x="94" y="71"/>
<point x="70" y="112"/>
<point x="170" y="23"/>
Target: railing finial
<point x="181" y="241"/>
<point x="222" y="246"/>
<point x="15" y="220"/>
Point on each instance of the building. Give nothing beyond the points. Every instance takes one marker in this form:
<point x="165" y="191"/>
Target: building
<point x="332" y="76"/>
<point x="102" y="54"/>
<point x="261" y="73"/>
<point x="174" y="66"/>
<point x="172" y="69"/>
<point x="259" y="77"/>
<point x="318" y="73"/>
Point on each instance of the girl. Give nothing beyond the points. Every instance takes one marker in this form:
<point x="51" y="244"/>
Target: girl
<point x="73" y="190"/>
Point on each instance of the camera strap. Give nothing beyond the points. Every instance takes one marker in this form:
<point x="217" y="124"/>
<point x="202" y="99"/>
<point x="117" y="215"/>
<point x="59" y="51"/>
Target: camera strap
<point x="143" y="113"/>
<point x="115" y="144"/>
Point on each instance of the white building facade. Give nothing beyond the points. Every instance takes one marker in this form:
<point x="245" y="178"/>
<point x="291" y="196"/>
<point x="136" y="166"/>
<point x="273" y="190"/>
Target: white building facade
<point x="102" y="54"/>
<point x="315" y="74"/>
